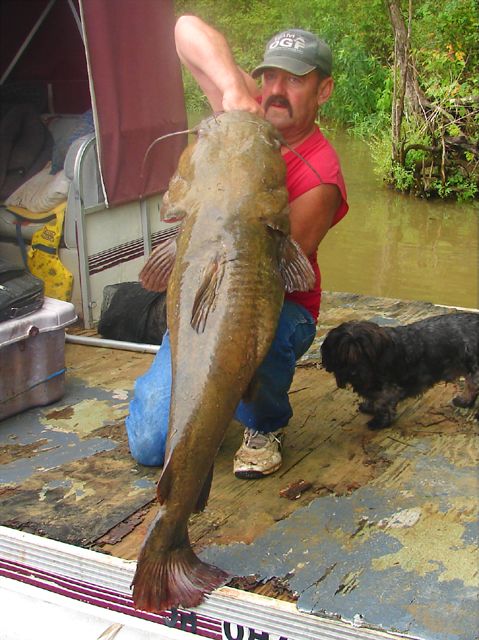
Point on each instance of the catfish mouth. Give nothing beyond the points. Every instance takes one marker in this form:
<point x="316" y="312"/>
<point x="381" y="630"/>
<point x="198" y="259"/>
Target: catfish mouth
<point x="278" y="101"/>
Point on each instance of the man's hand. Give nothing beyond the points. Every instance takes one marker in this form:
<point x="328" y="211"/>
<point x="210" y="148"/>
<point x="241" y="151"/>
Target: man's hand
<point x="241" y="100"/>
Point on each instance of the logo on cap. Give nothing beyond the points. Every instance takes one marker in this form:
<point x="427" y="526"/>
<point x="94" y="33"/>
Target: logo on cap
<point x="288" y="41"/>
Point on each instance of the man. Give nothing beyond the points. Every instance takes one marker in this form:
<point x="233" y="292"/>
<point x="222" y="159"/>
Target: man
<point x="296" y="80"/>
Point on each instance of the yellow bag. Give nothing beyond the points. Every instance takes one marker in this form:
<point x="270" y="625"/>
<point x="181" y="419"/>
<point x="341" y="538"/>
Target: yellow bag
<point x="43" y="259"/>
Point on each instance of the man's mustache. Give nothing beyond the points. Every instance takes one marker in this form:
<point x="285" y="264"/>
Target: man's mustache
<point x="278" y="101"/>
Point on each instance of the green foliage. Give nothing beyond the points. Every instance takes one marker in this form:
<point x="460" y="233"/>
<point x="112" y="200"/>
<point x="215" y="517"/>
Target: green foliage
<point x="380" y="148"/>
<point x="406" y="177"/>
<point x="402" y="178"/>
<point x="395" y="174"/>
<point x="460" y="187"/>
<point x="446" y="54"/>
<point x="446" y="45"/>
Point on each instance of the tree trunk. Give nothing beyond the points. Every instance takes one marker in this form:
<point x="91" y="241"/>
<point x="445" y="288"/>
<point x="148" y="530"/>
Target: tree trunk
<point x="415" y="98"/>
<point x="444" y="156"/>
<point x="408" y="96"/>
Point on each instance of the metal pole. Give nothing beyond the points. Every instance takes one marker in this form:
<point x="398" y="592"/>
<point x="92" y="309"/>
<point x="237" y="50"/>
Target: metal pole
<point x="76" y="17"/>
<point x="27" y="41"/>
<point x="112" y="344"/>
<point x="145" y="228"/>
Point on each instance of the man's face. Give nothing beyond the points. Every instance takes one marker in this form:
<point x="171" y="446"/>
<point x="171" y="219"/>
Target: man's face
<point x="291" y="102"/>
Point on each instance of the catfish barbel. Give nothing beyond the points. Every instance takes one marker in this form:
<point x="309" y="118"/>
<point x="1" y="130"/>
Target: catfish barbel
<point x="227" y="271"/>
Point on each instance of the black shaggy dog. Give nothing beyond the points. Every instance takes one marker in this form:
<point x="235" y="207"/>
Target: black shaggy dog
<point x="387" y="364"/>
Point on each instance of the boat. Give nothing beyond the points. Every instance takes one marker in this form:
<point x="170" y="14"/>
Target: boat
<point x="361" y="535"/>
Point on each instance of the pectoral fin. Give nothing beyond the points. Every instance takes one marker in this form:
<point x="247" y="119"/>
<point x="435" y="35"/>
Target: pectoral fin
<point x="206" y="296"/>
<point x="157" y="270"/>
<point x="294" y="266"/>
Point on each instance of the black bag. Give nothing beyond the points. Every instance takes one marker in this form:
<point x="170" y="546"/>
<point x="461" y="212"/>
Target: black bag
<point x="21" y="293"/>
<point x="132" y="314"/>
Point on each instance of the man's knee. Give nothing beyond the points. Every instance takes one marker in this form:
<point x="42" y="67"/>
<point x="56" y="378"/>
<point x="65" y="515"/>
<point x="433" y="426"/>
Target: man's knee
<point x="147" y="458"/>
<point x="143" y="448"/>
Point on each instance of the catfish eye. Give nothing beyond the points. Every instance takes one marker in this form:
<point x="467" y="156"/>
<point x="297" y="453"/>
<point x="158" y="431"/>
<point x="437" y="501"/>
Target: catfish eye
<point x="172" y="214"/>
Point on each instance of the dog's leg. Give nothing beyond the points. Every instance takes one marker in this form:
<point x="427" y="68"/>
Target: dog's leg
<point x="384" y="405"/>
<point x="382" y="420"/>
<point x="468" y="397"/>
<point x="367" y="406"/>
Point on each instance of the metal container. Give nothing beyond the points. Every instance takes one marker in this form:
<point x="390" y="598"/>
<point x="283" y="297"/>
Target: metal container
<point x="32" y="357"/>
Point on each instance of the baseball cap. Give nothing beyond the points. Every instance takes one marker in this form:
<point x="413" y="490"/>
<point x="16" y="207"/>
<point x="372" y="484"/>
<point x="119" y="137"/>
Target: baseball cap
<point x="297" y="52"/>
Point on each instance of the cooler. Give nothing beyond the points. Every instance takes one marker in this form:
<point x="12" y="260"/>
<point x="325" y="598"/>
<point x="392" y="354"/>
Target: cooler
<point x="32" y="357"/>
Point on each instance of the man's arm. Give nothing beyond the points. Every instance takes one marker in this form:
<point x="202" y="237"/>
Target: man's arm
<point x="311" y="216"/>
<point x="205" y="52"/>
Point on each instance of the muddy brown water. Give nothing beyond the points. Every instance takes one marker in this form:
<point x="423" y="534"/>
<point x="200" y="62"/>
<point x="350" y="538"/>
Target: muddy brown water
<point x="394" y="245"/>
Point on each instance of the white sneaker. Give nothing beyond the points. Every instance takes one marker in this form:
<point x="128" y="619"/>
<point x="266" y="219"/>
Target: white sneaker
<point x="259" y="455"/>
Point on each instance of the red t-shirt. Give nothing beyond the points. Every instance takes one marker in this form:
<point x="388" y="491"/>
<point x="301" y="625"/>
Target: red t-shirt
<point x="300" y="179"/>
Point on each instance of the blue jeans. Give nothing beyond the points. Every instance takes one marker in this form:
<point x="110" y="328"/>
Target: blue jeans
<point x="267" y="408"/>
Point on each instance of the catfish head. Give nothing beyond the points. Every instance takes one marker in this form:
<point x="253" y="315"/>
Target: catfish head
<point x="233" y="171"/>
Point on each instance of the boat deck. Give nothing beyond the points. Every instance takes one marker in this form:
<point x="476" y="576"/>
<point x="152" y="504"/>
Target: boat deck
<point x="358" y="525"/>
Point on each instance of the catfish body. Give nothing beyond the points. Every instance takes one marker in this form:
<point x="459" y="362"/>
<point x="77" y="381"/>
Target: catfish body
<point x="226" y="273"/>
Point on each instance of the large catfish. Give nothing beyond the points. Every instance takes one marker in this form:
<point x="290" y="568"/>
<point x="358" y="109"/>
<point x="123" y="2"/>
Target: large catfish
<point x="227" y="271"/>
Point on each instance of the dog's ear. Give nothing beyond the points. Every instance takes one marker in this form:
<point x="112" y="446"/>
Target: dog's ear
<point x="350" y="350"/>
<point x="374" y="341"/>
<point x="353" y="343"/>
<point x="343" y="350"/>
<point x="329" y="349"/>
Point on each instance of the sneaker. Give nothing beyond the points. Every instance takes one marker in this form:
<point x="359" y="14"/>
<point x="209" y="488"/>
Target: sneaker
<point x="259" y="455"/>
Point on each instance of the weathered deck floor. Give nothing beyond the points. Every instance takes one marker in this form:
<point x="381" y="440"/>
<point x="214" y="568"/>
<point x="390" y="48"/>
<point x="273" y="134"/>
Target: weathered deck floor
<point x="388" y="528"/>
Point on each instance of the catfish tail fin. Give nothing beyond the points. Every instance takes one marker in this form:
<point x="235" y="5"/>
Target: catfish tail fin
<point x="173" y="579"/>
